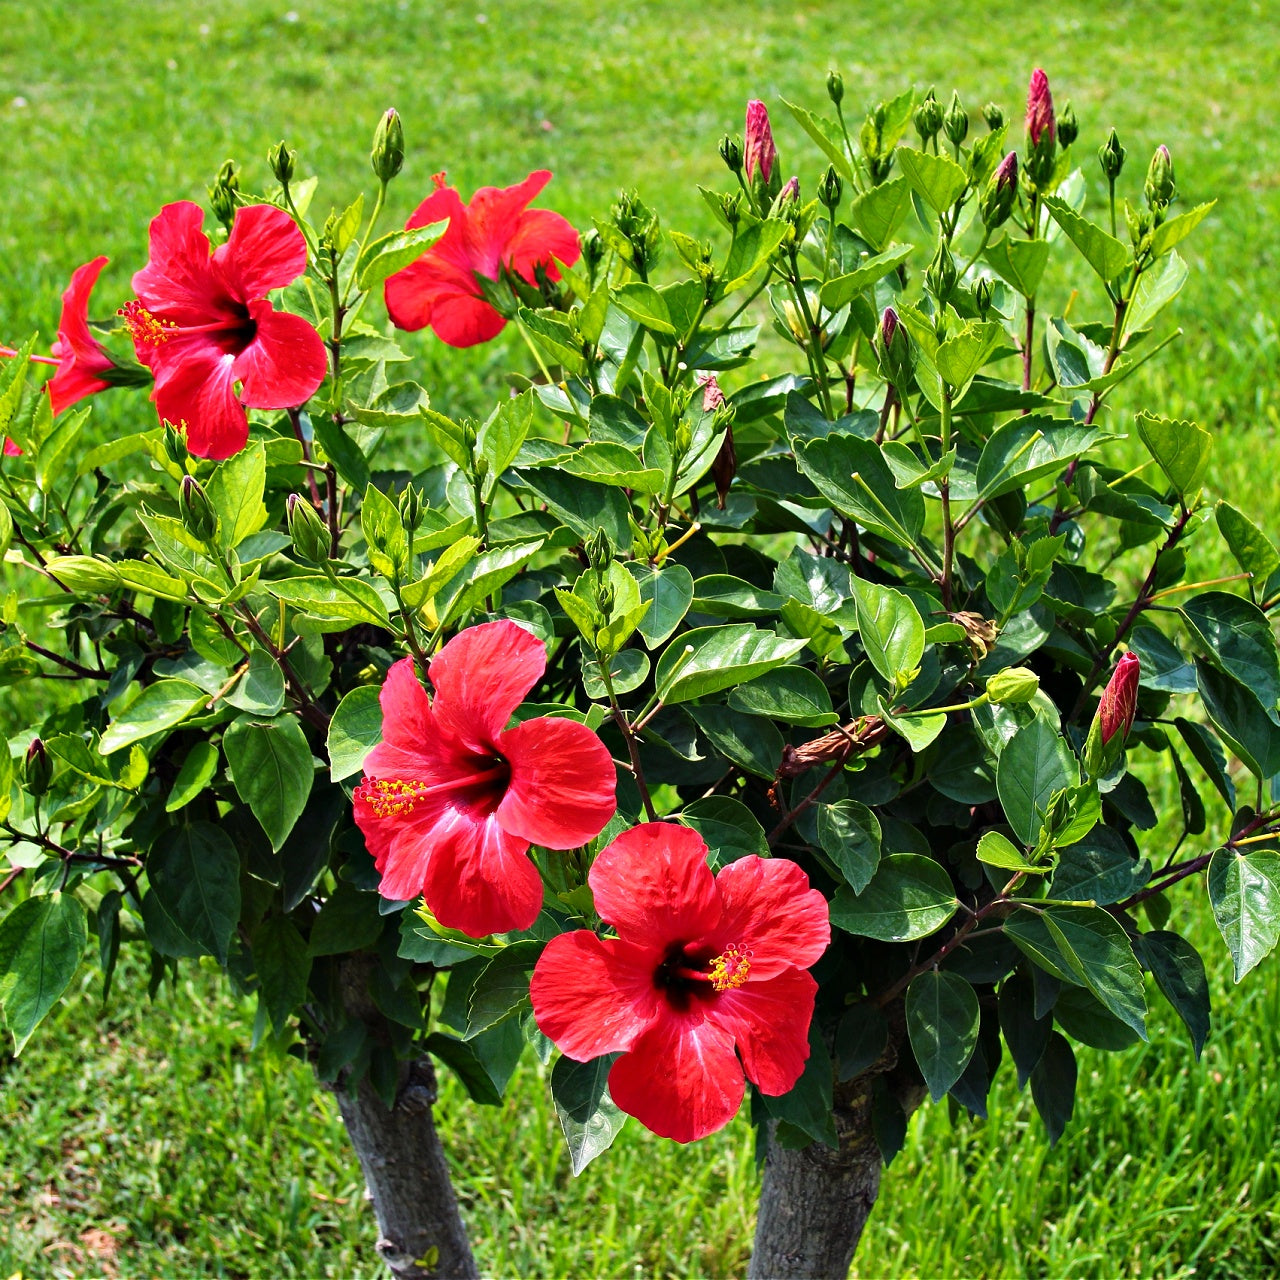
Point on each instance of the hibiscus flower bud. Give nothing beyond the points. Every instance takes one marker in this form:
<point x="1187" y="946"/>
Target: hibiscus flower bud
<point x="993" y="115"/>
<point x="411" y="506"/>
<point x="955" y="124"/>
<point x="175" y="445"/>
<point x="223" y="196"/>
<point x="1002" y="191"/>
<point x="1160" y="189"/>
<point x="198" y="516"/>
<point x="982" y="293"/>
<point x="1111" y="156"/>
<point x="387" y="155"/>
<point x="731" y="207"/>
<point x="310" y="537"/>
<point x="1119" y="702"/>
<point x="830" y="188"/>
<point x="599" y="550"/>
<point x="940" y="275"/>
<point x="1068" y="125"/>
<point x="894" y="348"/>
<point x="1039" y="108"/>
<point x="39" y="769"/>
<point x="1012" y="686"/>
<point x="725" y="466"/>
<point x="283" y="162"/>
<point x="731" y="153"/>
<point x="927" y="119"/>
<point x="759" y="155"/>
<point x="835" y="87"/>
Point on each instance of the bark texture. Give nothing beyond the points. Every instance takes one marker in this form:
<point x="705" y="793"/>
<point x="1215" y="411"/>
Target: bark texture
<point x="815" y="1202"/>
<point x="420" y="1231"/>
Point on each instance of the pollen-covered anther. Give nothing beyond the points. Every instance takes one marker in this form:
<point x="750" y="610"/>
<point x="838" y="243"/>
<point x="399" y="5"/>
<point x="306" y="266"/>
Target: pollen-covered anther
<point x="730" y="968"/>
<point x="144" y="328"/>
<point x="391" y="797"/>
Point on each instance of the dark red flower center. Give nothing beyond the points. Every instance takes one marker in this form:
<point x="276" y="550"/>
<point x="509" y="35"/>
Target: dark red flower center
<point x="685" y="975"/>
<point x="482" y="788"/>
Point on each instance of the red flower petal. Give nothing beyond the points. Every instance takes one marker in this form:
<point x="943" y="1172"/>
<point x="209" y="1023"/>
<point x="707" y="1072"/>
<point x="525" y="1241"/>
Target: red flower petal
<point x="460" y="320"/>
<point x="284" y="363"/>
<point x="593" y="997"/>
<point x="770" y="908"/>
<point x="481" y="676"/>
<point x="11" y="450"/>
<point x="195" y="387"/>
<point x="769" y="1021"/>
<point x="563" y="780"/>
<point x="680" y="1079"/>
<point x="406" y="708"/>
<point x="540" y="237"/>
<point x="654" y="886"/>
<point x="178" y="281"/>
<point x="264" y="251"/>
<point x="80" y="354"/>
<point x="493" y="219"/>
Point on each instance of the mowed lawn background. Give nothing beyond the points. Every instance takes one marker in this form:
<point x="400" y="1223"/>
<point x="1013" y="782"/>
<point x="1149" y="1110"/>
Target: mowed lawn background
<point x="148" y="1139"/>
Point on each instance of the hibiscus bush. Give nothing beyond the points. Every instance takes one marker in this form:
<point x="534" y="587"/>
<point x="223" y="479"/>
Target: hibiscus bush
<point x="773" y="699"/>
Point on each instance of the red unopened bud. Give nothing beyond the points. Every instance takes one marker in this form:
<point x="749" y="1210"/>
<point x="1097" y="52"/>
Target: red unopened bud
<point x="1040" y="108"/>
<point x="39" y="768"/>
<point x="1119" y="702"/>
<point x="759" y="153"/>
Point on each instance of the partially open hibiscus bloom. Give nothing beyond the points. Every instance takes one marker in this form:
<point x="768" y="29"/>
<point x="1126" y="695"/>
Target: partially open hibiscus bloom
<point x="703" y="965"/>
<point x="81" y="357"/>
<point x="495" y="231"/>
<point x="452" y="799"/>
<point x="202" y="323"/>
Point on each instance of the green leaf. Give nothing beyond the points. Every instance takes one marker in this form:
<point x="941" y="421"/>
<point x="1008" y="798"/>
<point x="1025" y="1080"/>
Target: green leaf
<point x="646" y="306"/>
<point x="1036" y="763"/>
<point x="1175" y="230"/>
<point x="750" y="741"/>
<point x="502" y="988"/>
<point x="918" y="728"/>
<point x="861" y="1038"/>
<point x="317" y="597"/>
<point x="196" y="773"/>
<point x="1181" y="449"/>
<point x="6" y="779"/>
<point x="891" y="630"/>
<point x="843" y="289"/>
<point x="709" y="659"/>
<point x="1253" y="550"/>
<point x="1179" y="973"/>
<point x="669" y="592"/>
<point x="194" y="871"/>
<point x="348" y="921"/>
<point x="589" y="1118"/>
<point x="938" y="181"/>
<point x="270" y="764"/>
<point x="393" y="252"/>
<point x="53" y="453"/>
<point x="1024" y="1033"/>
<point x="850" y="836"/>
<point x="158" y="707"/>
<point x="753" y="247"/>
<point x="261" y="690"/>
<point x="582" y="505"/>
<point x="1103" y="252"/>
<point x="41" y="942"/>
<point x="910" y="896"/>
<point x="1244" y="892"/>
<point x="877" y="213"/>
<point x="1053" y="1086"/>
<point x="500" y="438"/>
<point x="1238" y="638"/>
<point x="1155" y="290"/>
<point x="628" y="670"/>
<point x="283" y="965"/>
<point x="1075" y="360"/>
<point x="998" y="851"/>
<point x="1027" y="449"/>
<point x="794" y="695"/>
<point x="807" y="1106"/>
<point x="1020" y="263"/>
<point x="728" y="826"/>
<point x="1242" y="721"/>
<point x="356" y="728"/>
<point x="826" y="134"/>
<point x="724" y="596"/>
<point x="962" y="355"/>
<point x="1097" y="951"/>
<point x="236" y="493"/>
<point x="942" y="1024"/>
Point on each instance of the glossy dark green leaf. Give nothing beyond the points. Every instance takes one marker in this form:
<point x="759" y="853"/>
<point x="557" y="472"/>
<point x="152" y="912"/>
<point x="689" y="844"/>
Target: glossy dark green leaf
<point x="1024" y="1032"/>
<point x="1036" y="763"/>
<point x="196" y="773"/>
<point x="194" y="871"/>
<point x="1241" y="720"/>
<point x="1097" y="950"/>
<point x="910" y="896"/>
<point x="1027" y="449"/>
<point x="1099" y="867"/>
<point x="1181" y="449"/>
<point x="751" y="742"/>
<point x="808" y="1104"/>
<point x="710" y="659"/>
<point x="850" y="836"/>
<point x="589" y="1118"/>
<point x="260" y="690"/>
<point x="1238" y="638"/>
<point x="283" y="965"/>
<point x="669" y="591"/>
<point x="1161" y="664"/>
<point x="891" y="630"/>
<point x="41" y="942"/>
<point x="582" y="505"/>
<point x="1053" y="1086"/>
<point x="354" y="730"/>
<point x="730" y="829"/>
<point x="502" y="988"/>
<point x="792" y="694"/>
<point x="1209" y="755"/>
<point x="1253" y="550"/>
<point x="348" y="921"/>
<point x="1179" y="973"/>
<point x="271" y="766"/>
<point x="861" y="1038"/>
<point x="942" y="1023"/>
<point x="159" y="707"/>
<point x="1245" y="894"/>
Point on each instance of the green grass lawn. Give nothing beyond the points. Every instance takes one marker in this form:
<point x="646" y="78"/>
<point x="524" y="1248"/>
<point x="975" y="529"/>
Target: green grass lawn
<point x="149" y="1139"/>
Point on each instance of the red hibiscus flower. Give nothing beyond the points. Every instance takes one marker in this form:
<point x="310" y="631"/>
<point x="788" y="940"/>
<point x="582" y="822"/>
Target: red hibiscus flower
<point x="452" y="799"/>
<point x="202" y="322"/>
<point x="701" y="965"/>
<point x="11" y="450"/>
<point x="81" y="357"/>
<point x="496" y="231"/>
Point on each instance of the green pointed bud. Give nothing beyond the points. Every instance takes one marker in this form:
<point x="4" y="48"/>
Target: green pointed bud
<point x="593" y="251"/>
<point x="955" y="123"/>
<point x="1111" y="156"/>
<point x="941" y="274"/>
<point x="1139" y="222"/>
<point x="683" y="440"/>
<point x="222" y="193"/>
<point x="604" y="599"/>
<point x="982" y="294"/>
<point x="310" y="537"/>
<point x="38" y="769"/>
<point x="175" y="445"/>
<point x="599" y="550"/>
<point x="1068" y="125"/>
<point x="894" y="348"/>
<point x="283" y="163"/>
<point x="731" y="207"/>
<point x="830" y="188"/>
<point x="1160" y="188"/>
<point x="387" y="154"/>
<point x="835" y="87"/>
<point x="1002" y="190"/>
<point x="411" y="506"/>
<point x="731" y="153"/>
<point x="198" y="516"/>
<point x="1012" y="686"/>
<point x="993" y="115"/>
<point x="927" y="118"/>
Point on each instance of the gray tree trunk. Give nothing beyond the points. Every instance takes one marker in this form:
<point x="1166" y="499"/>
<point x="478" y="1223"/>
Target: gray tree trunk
<point x="420" y="1231"/>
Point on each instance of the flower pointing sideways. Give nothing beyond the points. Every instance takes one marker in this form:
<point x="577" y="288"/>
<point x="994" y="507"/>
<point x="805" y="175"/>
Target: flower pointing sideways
<point x="452" y="798"/>
<point x="202" y="324"/>
<point x="1119" y="703"/>
<point x="704" y="987"/>
<point x="495" y="232"/>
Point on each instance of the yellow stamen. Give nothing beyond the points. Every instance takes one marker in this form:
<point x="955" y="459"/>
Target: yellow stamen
<point x="730" y="968"/>
<point x="146" y="329"/>
<point x="392" y="797"/>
